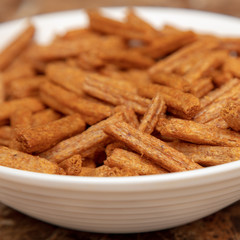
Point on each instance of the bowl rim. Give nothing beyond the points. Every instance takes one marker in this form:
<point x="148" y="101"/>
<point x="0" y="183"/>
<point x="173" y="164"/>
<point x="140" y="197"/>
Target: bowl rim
<point x="206" y="175"/>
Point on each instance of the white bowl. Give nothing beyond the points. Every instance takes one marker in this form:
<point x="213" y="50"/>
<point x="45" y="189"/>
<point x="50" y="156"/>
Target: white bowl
<point x="128" y="204"/>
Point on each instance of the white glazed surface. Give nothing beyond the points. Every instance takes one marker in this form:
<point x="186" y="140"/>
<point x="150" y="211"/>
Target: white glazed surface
<point x="128" y="204"/>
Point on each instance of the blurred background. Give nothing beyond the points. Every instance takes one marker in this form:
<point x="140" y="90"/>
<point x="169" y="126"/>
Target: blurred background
<point x="12" y="9"/>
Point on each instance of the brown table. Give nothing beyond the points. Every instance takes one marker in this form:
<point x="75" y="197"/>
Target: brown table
<point x="224" y="225"/>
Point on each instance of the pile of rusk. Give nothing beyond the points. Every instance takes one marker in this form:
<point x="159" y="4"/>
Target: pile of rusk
<point x="119" y="99"/>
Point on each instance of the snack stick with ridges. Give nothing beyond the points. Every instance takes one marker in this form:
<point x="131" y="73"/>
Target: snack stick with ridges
<point x="20" y="70"/>
<point x="127" y="59"/>
<point x="82" y="142"/>
<point x="25" y="87"/>
<point x="171" y="80"/>
<point x="105" y="171"/>
<point x="231" y="114"/>
<point x="207" y="155"/>
<point x="19" y="120"/>
<point x="204" y="85"/>
<point x="89" y="61"/>
<point x="58" y="50"/>
<point x="16" y="47"/>
<point x="43" y="137"/>
<point x="115" y="96"/>
<point x="213" y="110"/>
<point x="129" y="115"/>
<point x="166" y="44"/>
<point x="71" y="101"/>
<point x="124" y="159"/>
<point x="169" y="63"/>
<point x="45" y="116"/>
<point x="72" y="165"/>
<point x="120" y="84"/>
<point x="198" y="133"/>
<point x="218" y="122"/>
<point x="212" y="60"/>
<point x="211" y="96"/>
<point x="152" y="148"/>
<point x="179" y="103"/>
<point x="219" y="77"/>
<point x="8" y="107"/>
<point x="67" y="77"/>
<point x="188" y="62"/>
<point x="151" y="116"/>
<point x="110" y="147"/>
<point x="136" y="22"/>
<point x="102" y="24"/>
<point x="23" y="161"/>
<point x="54" y="104"/>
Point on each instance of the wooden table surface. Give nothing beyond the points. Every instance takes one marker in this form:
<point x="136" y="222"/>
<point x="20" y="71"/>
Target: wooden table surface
<point x="224" y="225"/>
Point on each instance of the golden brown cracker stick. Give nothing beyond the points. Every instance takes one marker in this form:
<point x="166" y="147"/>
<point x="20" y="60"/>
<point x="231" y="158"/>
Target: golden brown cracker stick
<point x="169" y="63"/>
<point x="89" y="61"/>
<point x="68" y="77"/>
<point x="19" y="160"/>
<point x="20" y="70"/>
<point x="167" y="44"/>
<point x="128" y="160"/>
<point x="212" y="60"/>
<point x="219" y="77"/>
<point x="120" y="84"/>
<point x="25" y="87"/>
<point x="135" y="76"/>
<point x="212" y="111"/>
<point x="43" y="137"/>
<point x="16" y="47"/>
<point x="181" y="104"/>
<point x="211" y="96"/>
<point x="171" y="80"/>
<point x="8" y="107"/>
<point x="204" y="85"/>
<point x="115" y="96"/>
<point x="78" y="33"/>
<point x="129" y="115"/>
<point x="72" y="165"/>
<point x="19" y="120"/>
<point x="231" y="114"/>
<point x="193" y="132"/>
<point x="71" y="101"/>
<point x="207" y="155"/>
<point x="151" y="117"/>
<point x="81" y="143"/>
<point x="105" y="171"/>
<point x="138" y="23"/>
<point x="154" y="149"/>
<point x="218" y="122"/>
<point x="127" y="59"/>
<point x="44" y="116"/>
<point x="188" y="62"/>
<point x="55" y="51"/>
<point x="102" y="24"/>
<point x="110" y="147"/>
